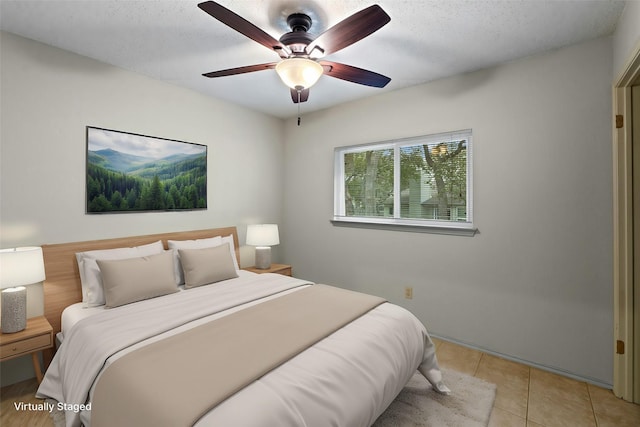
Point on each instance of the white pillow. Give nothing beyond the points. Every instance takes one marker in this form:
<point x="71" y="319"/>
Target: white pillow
<point x="229" y="239"/>
<point x="174" y="245"/>
<point x="90" y="278"/>
<point x="136" y="279"/>
<point x="206" y="266"/>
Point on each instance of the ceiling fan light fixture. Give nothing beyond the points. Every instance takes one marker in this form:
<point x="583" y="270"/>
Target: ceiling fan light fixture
<point x="299" y="73"/>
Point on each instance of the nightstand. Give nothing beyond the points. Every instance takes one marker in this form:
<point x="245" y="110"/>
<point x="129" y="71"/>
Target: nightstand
<point x="283" y="269"/>
<point x="37" y="336"/>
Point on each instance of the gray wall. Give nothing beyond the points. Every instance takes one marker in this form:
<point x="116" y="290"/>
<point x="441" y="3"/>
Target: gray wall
<point x="536" y="282"/>
<point x="50" y="95"/>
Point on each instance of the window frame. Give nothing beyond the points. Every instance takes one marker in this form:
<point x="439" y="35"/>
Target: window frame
<point x="465" y="228"/>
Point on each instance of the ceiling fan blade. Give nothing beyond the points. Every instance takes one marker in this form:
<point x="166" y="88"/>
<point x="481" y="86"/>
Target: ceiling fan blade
<point x="347" y="32"/>
<point x="354" y="74"/>
<point x="241" y="70"/>
<point x="243" y="26"/>
<point x="304" y="95"/>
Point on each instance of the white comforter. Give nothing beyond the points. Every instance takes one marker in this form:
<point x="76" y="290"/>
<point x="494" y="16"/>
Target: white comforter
<point x="347" y="379"/>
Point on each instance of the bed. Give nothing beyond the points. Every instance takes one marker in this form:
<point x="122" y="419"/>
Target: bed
<point x="166" y="329"/>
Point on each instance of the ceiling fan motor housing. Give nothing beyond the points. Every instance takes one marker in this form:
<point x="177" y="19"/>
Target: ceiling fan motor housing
<point x="298" y="38"/>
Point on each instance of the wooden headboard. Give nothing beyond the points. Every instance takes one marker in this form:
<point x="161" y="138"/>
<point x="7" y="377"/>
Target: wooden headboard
<point x="62" y="286"/>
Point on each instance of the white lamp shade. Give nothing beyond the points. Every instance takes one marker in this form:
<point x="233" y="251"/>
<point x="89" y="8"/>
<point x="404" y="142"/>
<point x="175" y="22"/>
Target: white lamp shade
<point x="21" y="266"/>
<point x="299" y="73"/>
<point x="263" y="235"/>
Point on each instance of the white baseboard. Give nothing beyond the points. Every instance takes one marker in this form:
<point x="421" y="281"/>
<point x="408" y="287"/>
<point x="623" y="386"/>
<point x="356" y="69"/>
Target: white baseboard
<point x="552" y="369"/>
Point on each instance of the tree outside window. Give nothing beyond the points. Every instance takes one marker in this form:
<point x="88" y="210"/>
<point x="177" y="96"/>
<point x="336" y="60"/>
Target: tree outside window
<point x="425" y="179"/>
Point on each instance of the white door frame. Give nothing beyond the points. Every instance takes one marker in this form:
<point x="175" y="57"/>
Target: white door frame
<point x="623" y="345"/>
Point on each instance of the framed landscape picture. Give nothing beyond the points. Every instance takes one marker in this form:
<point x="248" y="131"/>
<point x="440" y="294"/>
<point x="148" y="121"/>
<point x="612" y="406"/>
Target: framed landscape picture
<point x="127" y="172"/>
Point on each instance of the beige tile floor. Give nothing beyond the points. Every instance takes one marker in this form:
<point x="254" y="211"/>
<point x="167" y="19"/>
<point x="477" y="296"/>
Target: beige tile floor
<point x="530" y="397"/>
<point x="527" y="397"/>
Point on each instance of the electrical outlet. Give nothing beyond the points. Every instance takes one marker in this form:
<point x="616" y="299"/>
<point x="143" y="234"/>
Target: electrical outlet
<point x="408" y="292"/>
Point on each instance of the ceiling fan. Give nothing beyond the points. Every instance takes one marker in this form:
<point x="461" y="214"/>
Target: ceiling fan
<point x="300" y="65"/>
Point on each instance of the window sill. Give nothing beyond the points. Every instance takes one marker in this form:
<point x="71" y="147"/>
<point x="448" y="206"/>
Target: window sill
<point x="415" y="226"/>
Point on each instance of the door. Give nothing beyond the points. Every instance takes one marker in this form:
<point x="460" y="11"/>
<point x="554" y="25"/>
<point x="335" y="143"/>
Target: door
<point x="626" y="232"/>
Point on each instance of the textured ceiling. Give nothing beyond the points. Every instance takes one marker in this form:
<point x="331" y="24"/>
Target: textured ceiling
<point x="174" y="41"/>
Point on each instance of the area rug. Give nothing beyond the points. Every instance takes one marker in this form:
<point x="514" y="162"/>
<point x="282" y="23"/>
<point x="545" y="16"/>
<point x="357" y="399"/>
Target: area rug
<point x="418" y="405"/>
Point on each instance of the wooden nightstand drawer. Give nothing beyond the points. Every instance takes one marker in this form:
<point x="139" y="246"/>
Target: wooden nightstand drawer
<point x="25" y="346"/>
<point x="37" y="336"/>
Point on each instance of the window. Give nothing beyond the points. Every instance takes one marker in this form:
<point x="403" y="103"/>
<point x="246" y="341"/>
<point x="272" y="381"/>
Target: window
<point x="416" y="182"/>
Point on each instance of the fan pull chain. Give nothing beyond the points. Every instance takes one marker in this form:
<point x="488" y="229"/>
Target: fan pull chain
<point x="299" y="107"/>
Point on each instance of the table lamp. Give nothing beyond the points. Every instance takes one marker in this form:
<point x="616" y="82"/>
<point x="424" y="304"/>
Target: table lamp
<point x="18" y="267"/>
<point x="263" y="236"/>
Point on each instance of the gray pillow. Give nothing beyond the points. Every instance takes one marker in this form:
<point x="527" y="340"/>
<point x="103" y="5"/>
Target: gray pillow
<point x="208" y="265"/>
<point x="135" y="279"/>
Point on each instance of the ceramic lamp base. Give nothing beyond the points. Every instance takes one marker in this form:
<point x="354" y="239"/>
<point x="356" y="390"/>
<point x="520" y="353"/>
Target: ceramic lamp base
<point x="14" y="310"/>
<point x="263" y="257"/>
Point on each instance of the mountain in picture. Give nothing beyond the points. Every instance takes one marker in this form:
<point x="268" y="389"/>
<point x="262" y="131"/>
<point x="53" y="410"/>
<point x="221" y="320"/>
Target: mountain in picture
<point x="115" y="160"/>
